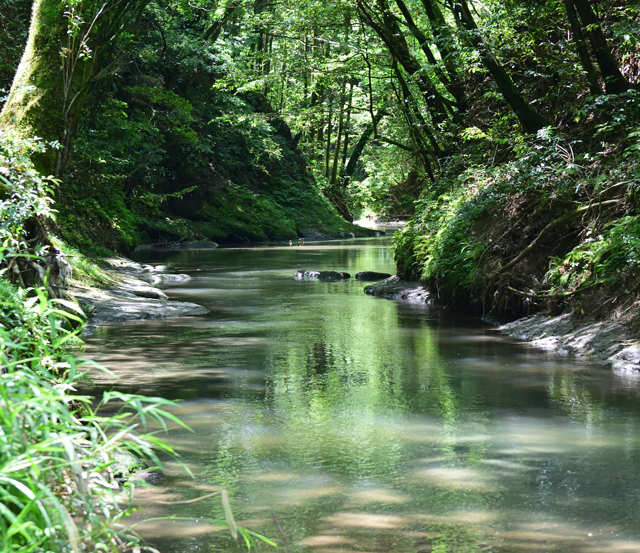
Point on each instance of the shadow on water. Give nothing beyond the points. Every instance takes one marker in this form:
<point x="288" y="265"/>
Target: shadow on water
<point x="371" y="425"/>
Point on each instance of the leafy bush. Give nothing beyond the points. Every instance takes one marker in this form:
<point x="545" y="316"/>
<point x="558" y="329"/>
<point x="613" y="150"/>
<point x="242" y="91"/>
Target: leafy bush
<point x="603" y="258"/>
<point x="24" y="193"/>
<point x="57" y="491"/>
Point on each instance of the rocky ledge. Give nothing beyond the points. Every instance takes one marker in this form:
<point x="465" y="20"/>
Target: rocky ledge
<point x="132" y="296"/>
<point x="609" y="342"/>
<point x="395" y="289"/>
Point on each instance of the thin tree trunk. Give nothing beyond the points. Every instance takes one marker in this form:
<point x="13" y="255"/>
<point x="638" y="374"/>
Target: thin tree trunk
<point x="347" y="126"/>
<point x="390" y="33"/>
<point x="327" y="155"/>
<point x="359" y="147"/>
<point x="454" y="88"/>
<point x="420" y="125"/>
<point x="581" y="47"/>
<point x="418" y="128"/>
<point x="529" y="118"/>
<point x="336" y="153"/>
<point x="213" y="32"/>
<point x="443" y="38"/>
<point x="614" y="82"/>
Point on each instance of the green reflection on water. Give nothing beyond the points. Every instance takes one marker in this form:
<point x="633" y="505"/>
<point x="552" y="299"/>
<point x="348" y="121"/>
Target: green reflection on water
<point x="371" y="426"/>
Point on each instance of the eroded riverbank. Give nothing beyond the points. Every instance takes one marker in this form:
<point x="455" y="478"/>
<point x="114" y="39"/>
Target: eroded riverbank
<point x="131" y="295"/>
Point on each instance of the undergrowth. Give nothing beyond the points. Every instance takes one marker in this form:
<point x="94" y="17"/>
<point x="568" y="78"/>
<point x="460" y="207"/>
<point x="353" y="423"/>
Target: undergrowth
<point x="554" y="225"/>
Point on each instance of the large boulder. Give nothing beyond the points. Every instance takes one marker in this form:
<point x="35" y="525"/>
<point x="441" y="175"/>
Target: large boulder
<point x="396" y="289"/>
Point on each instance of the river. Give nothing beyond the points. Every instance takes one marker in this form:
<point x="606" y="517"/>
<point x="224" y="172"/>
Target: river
<point x="371" y="425"/>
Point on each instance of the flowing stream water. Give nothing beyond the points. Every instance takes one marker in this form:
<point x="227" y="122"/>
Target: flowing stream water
<point x="371" y="425"/>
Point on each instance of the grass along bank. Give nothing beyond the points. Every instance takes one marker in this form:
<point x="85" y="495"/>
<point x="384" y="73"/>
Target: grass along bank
<point x="61" y="489"/>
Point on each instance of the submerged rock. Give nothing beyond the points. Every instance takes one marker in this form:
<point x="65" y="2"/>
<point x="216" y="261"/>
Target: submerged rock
<point x="395" y="289"/>
<point x="322" y="275"/>
<point x="165" y="278"/>
<point x="368" y="276"/>
<point x="128" y="466"/>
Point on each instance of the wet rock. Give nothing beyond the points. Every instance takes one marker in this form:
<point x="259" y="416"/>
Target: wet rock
<point x="131" y="297"/>
<point x="333" y="275"/>
<point x="609" y="342"/>
<point x="369" y="276"/>
<point x="147" y="292"/>
<point x="322" y="275"/>
<point x="165" y="278"/>
<point x="395" y="289"/>
<point x="153" y="476"/>
<point x="307" y="274"/>
<point x="127" y="466"/>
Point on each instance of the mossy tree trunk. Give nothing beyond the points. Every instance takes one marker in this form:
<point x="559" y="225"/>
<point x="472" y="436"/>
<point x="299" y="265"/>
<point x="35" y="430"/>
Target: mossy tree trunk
<point x="69" y="47"/>
<point x="70" y="44"/>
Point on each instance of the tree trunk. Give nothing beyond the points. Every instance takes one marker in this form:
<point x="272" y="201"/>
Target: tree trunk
<point x="529" y="118"/>
<point x="443" y="37"/>
<point x="327" y="155"/>
<point x="581" y="47"/>
<point x="388" y="30"/>
<point x="46" y="99"/>
<point x="347" y="127"/>
<point x="614" y="82"/>
<point x="452" y="83"/>
<point x="359" y="147"/>
<point x="336" y="153"/>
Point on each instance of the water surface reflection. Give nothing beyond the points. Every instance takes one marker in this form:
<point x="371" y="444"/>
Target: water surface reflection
<point x="369" y="425"/>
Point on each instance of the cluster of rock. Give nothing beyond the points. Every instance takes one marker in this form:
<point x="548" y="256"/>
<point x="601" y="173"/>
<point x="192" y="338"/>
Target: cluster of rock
<point x="133" y="295"/>
<point x="367" y="276"/>
<point x="322" y="275"/>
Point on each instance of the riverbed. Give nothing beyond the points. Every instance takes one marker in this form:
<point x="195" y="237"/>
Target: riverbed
<point x="371" y="425"/>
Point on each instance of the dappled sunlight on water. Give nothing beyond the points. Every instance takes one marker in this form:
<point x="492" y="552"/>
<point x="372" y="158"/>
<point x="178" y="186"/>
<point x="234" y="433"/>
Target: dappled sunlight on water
<point x="371" y="425"/>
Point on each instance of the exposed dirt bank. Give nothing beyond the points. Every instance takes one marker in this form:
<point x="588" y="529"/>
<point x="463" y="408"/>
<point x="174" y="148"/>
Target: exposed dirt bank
<point x="132" y="295"/>
<point x="615" y="343"/>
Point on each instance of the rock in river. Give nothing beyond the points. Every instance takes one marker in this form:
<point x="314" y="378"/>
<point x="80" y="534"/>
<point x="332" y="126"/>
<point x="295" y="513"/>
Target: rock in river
<point x="322" y="275"/>
<point x="370" y="276"/>
<point x="396" y="289"/>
